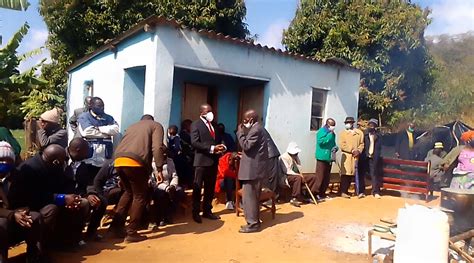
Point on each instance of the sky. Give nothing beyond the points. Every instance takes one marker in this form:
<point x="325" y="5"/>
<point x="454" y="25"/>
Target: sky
<point x="265" y="18"/>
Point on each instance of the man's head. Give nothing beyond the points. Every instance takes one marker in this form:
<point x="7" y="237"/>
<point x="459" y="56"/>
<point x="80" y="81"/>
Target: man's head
<point x="97" y="106"/>
<point x="186" y="125"/>
<point x="172" y="130"/>
<point x="206" y="112"/>
<point x="49" y="120"/>
<point x="54" y="156"/>
<point x="147" y="117"/>
<point x="249" y="118"/>
<point x="293" y="149"/>
<point x="373" y="123"/>
<point x="349" y="123"/>
<point x="330" y="124"/>
<point x="411" y="127"/>
<point x="87" y="102"/>
<point x="78" y="149"/>
<point x="7" y="159"/>
<point x="221" y="128"/>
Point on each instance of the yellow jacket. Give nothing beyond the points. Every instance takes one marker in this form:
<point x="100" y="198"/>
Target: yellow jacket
<point x="349" y="141"/>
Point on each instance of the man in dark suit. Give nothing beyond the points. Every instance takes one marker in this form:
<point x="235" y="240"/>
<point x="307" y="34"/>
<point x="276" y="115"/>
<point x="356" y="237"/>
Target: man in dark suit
<point x="405" y="144"/>
<point x="77" y="112"/>
<point x="370" y="159"/>
<point x="253" y="168"/>
<point x="204" y="139"/>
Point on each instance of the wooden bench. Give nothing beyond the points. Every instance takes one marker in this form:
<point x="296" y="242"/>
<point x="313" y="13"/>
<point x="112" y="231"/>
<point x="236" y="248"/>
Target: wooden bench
<point x="408" y="176"/>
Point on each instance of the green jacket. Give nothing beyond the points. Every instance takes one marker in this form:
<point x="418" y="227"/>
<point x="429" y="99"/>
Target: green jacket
<point x="325" y="142"/>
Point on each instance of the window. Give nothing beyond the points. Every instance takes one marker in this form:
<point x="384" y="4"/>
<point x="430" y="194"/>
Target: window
<point x="318" y="103"/>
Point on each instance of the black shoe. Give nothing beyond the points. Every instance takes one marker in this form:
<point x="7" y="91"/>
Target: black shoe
<point x="93" y="237"/>
<point x="117" y="232"/>
<point x="249" y="229"/>
<point x="211" y="216"/>
<point x="197" y="218"/>
<point x="295" y="202"/>
<point x="133" y="238"/>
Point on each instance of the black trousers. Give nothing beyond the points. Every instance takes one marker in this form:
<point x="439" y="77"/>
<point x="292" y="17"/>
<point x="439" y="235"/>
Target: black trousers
<point x="164" y="207"/>
<point x="96" y="215"/>
<point x="370" y="166"/>
<point x="113" y="195"/>
<point x="12" y="233"/>
<point x="207" y="176"/>
<point x="69" y="224"/>
<point x="323" y="176"/>
<point x="346" y="181"/>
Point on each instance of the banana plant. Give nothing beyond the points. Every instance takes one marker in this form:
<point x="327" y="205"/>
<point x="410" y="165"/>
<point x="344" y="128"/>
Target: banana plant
<point x="20" y="5"/>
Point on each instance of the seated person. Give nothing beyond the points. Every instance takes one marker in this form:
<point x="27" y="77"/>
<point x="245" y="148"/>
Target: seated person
<point x="107" y="183"/>
<point x="438" y="166"/>
<point x="42" y="186"/>
<point x="50" y="131"/>
<point x="291" y="166"/>
<point x="463" y="174"/>
<point x="166" y="192"/>
<point x="438" y="146"/>
<point x="77" y="171"/>
<point x="20" y="224"/>
<point x="226" y="176"/>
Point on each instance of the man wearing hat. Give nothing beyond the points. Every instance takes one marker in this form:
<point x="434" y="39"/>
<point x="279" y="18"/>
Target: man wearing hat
<point x="435" y="157"/>
<point x="370" y="158"/>
<point x="20" y="224"/>
<point x="50" y="131"/>
<point x="351" y="143"/>
<point x="440" y="146"/>
<point x="291" y="166"/>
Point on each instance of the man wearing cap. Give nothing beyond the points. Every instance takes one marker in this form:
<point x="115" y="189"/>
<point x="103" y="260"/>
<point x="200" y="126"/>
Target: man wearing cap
<point x="438" y="168"/>
<point x="291" y="166"/>
<point x="437" y="145"/>
<point x="50" y="131"/>
<point x="351" y="143"/>
<point x="20" y="224"/>
<point x="370" y="158"/>
<point x="325" y="149"/>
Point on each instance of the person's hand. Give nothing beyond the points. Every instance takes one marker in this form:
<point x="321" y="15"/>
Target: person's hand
<point x="171" y="191"/>
<point x="445" y="167"/>
<point x="23" y="219"/>
<point x="93" y="200"/>
<point x="220" y="148"/>
<point x="397" y="154"/>
<point x="159" y="177"/>
<point x="355" y="153"/>
<point x="72" y="201"/>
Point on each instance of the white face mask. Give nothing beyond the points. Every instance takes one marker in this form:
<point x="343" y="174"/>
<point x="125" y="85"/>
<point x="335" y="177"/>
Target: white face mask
<point x="349" y="126"/>
<point x="209" y="116"/>
<point x="332" y="128"/>
<point x="248" y="125"/>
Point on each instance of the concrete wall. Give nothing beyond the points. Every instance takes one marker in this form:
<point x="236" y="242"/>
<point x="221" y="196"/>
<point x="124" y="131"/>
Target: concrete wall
<point x="107" y="70"/>
<point x="287" y="93"/>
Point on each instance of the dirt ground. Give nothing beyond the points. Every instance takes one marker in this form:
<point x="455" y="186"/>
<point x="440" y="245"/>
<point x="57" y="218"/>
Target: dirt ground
<point x="333" y="231"/>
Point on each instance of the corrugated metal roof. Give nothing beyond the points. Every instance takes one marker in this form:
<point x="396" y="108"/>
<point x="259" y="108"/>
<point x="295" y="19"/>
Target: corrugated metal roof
<point x="154" y="21"/>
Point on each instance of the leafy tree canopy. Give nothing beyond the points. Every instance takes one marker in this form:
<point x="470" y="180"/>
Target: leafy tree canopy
<point x="382" y="38"/>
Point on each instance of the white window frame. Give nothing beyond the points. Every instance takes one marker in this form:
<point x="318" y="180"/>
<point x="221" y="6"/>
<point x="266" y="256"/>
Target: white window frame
<point x="322" y="104"/>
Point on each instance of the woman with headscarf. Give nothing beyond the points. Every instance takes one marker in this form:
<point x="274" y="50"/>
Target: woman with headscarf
<point x="463" y="174"/>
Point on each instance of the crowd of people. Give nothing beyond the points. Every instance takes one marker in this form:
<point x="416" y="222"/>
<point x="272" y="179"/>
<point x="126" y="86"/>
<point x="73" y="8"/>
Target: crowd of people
<point x="50" y="198"/>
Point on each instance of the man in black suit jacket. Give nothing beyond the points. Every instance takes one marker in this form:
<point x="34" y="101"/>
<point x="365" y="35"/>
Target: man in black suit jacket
<point x="405" y="144"/>
<point x="370" y="159"/>
<point x="253" y="168"/>
<point x="204" y="138"/>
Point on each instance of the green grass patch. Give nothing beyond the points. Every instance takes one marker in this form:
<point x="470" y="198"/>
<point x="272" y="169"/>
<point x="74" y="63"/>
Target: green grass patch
<point x="20" y="137"/>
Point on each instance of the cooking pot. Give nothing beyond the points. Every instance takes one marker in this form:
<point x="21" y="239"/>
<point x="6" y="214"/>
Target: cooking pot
<point x="461" y="202"/>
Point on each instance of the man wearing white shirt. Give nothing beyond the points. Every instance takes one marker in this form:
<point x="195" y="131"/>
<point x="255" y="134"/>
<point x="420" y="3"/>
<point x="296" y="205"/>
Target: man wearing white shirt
<point x="97" y="128"/>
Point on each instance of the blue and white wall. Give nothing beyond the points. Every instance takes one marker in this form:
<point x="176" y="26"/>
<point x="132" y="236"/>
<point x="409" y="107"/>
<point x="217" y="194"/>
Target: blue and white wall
<point x="288" y="91"/>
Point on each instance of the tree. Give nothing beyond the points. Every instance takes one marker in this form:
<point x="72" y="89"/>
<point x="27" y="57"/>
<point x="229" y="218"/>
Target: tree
<point x="14" y="4"/>
<point x="13" y="84"/>
<point x="384" y="39"/>
<point x="78" y="27"/>
<point x="453" y="93"/>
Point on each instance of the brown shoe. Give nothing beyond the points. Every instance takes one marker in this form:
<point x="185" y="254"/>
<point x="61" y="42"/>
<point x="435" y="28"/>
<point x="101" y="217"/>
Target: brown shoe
<point x="134" y="238"/>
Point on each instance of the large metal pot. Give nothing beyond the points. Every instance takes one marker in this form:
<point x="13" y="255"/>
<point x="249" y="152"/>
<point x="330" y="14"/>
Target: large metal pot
<point x="461" y="202"/>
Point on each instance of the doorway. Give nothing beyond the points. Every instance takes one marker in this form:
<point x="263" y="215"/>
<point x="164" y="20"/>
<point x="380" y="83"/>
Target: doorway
<point x="133" y="96"/>
<point x="251" y="98"/>
<point x="194" y="95"/>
